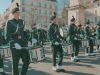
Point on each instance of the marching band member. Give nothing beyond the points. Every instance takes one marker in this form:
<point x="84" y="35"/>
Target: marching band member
<point x="80" y="34"/>
<point x="87" y="32"/>
<point x="1" y="59"/>
<point x="16" y="35"/>
<point x="33" y="32"/>
<point x="98" y="35"/>
<point x="80" y="31"/>
<point x="54" y="37"/>
<point x="73" y="36"/>
<point x="63" y="27"/>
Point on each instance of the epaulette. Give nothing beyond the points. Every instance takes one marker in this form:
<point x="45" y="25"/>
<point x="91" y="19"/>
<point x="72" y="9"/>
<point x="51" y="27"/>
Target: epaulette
<point x="50" y="23"/>
<point x="22" y="20"/>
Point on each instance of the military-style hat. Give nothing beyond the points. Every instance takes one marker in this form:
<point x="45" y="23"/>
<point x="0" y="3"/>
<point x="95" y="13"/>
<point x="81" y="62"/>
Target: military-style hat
<point x="34" y="24"/>
<point x="88" y="22"/>
<point x="63" y="24"/>
<point x="79" y="25"/>
<point x="15" y="9"/>
<point x="53" y="17"/>
<point x="72" y="19"/>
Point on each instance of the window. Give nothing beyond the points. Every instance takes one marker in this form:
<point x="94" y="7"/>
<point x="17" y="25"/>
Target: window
<point x="39" y="4"/>
<point x="31" y="9"/>
<point x="39" y="19"/>
<point x="39" y="11"/>
<point x="95" y="19"/>
<point x="45" y="6"/>
<point x="45" y="20"/>
<point x="66" y="21"/>
<point x="50" y="20"/>
<point x="62" y="21"/>
<point x="45" y="11"/>
<point x="23" y="9"/>
<point x="56" y="7"/>
<point x="31" y="3"/>
<point x="50" y="6"/>
<point x="50" y="13"/>
<point x="23" y="2"/>
<point x="23" y="17"/>
<point x="96" y="12"/>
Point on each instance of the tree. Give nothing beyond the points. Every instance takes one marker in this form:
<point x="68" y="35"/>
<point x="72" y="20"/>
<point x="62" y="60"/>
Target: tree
<point x="31" y="18"/>
<point x="63" y="14"/>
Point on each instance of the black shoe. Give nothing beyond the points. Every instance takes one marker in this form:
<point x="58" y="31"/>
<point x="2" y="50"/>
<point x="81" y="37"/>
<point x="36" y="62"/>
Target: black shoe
<point x="62" y="70"/>
<point x="92" y="55"/>
<point x="2" y="73"/>
<point x="76" y="60"/>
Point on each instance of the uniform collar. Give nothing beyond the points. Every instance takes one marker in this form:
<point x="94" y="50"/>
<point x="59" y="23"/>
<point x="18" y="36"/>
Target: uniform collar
<point x="15" y="20"/>
<point x="72" y="24"/>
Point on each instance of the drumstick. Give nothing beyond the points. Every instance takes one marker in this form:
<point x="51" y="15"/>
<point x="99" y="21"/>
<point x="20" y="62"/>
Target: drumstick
<point x="23" y="47"/>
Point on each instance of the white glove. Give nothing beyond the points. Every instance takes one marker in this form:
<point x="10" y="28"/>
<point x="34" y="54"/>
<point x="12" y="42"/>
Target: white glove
<point x="91" y="37"/>
<point x="17" y="46"/>
<point x="92" y="33"/>
<point x="56" y="43"/>
<point x="34" y="40"/>
<point x="67" y="39"/>
<point x="81" y="35"/>
<point x="38" y="28"/>
<point x="75" y="38"/>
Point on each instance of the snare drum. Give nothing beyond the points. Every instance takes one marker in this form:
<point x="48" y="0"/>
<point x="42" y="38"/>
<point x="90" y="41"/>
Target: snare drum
<point x="37" y="54"/>
<point x="32" y="55"/>
<point x="5" y="52"/>
<point x="97" y="42"/>
<point x="85" y="43"/>
<point x="67" y="48"/>
<point x="40" y="53"/>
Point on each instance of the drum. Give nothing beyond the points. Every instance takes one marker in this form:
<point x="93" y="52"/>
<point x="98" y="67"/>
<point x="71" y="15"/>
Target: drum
<point x="5" y="52"/>
<point x="85" y="43"/>
<point x="97" y="42"/>
<point x="40" y="53"/>
<point x="36" y="54"/>
<point x="67" y="48"/>
<point x="32" y="55"/>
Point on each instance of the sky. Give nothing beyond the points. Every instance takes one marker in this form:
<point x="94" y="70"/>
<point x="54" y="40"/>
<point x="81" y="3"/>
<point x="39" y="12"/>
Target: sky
<point x="4" y="4"/>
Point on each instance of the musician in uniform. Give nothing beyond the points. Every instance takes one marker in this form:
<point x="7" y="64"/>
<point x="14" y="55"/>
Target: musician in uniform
<point x="16" y="35"/>
<point x="98" y="35"/>
<point x="80" y="31"/>
<point x="44" y="36"/>
<point x="54" y="37"/>
<point x="41" y="36"/>
<point x="1" y="59"/>
<point x="34" y="32"/>
<point x="73" y="36"/>
<point x="3" y="38"/>
<point x="64" y="27"/>
<point x="80" y="34"/>
<point x="88" y="35"/>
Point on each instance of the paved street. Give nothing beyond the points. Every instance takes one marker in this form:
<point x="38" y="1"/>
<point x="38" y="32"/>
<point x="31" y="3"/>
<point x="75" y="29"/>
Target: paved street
<point x="88" y="65"/>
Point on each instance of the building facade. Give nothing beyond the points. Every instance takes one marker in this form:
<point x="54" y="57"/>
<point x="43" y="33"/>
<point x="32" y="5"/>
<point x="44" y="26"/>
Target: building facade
<point x="92" y="11"/>
<point x="84" y="10"/>
<point x="39" y="11"/>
